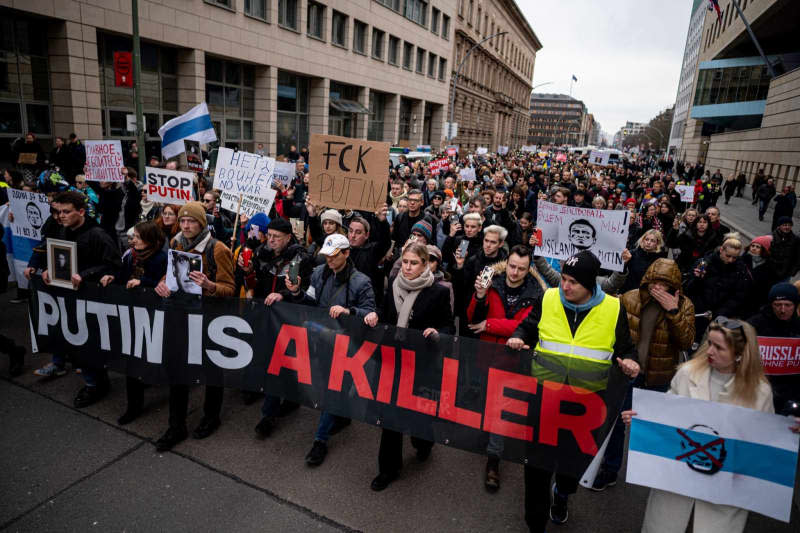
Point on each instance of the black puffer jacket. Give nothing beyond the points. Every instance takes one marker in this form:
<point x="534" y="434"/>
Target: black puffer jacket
<point x="724" y="290"/>
<point x="762" y="278"/>
<point x="692" y="246"/>
<point x="784" y="254"/>
<point x="637" y="266"/>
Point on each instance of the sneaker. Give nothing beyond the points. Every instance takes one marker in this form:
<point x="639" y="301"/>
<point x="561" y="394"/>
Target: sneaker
<point x="604" y="480"/>
<point x="492" y="480"/>
<point x="317" y="454"/>
<point x="558" y="509"/>
<point x="265" y="426"/>
<point x="206" y="428"/>
<point x="172" y="437"/>
<point x="89" y="395"/>
<point x="50" y="370"/>
<point x="382" y="481"/>
<point x="18" y="301"/>
<point x="339" y="424"/>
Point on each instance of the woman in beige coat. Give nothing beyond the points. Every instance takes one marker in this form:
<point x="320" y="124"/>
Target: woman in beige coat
<point x="726" y="369"/>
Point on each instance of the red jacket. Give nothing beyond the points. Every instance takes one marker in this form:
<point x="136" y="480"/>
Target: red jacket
<point x="500" y="324"/>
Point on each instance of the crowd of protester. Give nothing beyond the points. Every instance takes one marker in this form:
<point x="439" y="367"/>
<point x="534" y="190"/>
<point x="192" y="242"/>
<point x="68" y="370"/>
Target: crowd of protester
<point x="693" y="295"/>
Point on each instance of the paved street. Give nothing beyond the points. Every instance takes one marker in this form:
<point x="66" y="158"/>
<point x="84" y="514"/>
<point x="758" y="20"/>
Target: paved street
<point x="742" y="216"/>
<point x="74" y="470"/>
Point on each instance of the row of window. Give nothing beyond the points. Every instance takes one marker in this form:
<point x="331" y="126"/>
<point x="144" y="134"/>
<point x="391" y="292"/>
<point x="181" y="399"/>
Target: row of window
<point x="417" y="11"/>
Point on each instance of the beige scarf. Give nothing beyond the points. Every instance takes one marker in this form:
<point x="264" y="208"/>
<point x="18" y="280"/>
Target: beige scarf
<point x="406" y="292"/>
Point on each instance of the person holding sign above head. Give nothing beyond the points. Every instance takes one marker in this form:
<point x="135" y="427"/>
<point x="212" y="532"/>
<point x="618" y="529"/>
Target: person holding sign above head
<point x="580" y="327"/>
<point x="215" y="279"/>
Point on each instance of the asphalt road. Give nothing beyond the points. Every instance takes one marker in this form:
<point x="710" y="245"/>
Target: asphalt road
<point x="63" y="469"/>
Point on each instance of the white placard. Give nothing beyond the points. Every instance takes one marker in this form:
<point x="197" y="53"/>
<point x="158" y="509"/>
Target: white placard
<point x="568" y="230"/>
<point x="467" y="174"/>
<point x="284" y="173"/>
<point x="529" y="148"/>
<point x="250" y="204"/>
<point x="104" y="161"/>
<point x="244" y="173"/>
<point x="711" y="451"/>
<point x="481" y="150"/>
<point x="502" y="150"/>
<point x="169" y="186"/>
<point x="599" y="157"/>
<point x="687" y="192"/>
<point x="30" y="210"/>
<point x="179" y="264"/>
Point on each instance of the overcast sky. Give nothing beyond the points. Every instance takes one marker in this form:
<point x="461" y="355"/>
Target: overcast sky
<point x="626" y="54"/>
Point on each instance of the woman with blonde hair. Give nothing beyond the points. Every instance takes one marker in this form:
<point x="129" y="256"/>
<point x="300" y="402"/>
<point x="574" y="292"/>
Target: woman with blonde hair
<point x="726" y="369"/>
<point x="649" y="247"/>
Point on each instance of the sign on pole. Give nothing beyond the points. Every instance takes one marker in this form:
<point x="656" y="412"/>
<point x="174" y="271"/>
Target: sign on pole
<point x="169" y="186"/>
<point x="250" y="204"/>
<point x="437" y="165"/>
<point x="244" y="173"/>
<point x="568" y="230"/>
<point x="104" y="161"/>
<point x="348" y="173"/>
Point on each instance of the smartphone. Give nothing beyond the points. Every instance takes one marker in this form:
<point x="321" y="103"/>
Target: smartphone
<point x="195" y="264"/>
<point x="462" y="248"/>
<point x="294" y="270"/>
<point x="485" y="276"/>
<point x="390" y="216"/>
<point x="454" y="218"/>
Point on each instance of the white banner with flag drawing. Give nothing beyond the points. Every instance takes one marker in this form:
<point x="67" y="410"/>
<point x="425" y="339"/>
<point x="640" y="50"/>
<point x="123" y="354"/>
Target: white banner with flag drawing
<point x="716" y="452"/>
<point x="194" y="125"/>
<point x="687" y="193"/>
<point x="568" y="230"/>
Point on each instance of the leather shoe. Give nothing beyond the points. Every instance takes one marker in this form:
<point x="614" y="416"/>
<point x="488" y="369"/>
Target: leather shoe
<point x="129" y="416"/>
<point x="206" y="427"/>
<point x="89" y="395"/>
<point x="172" y="437"/>
<point x="265" y="426"/>
<point x="382" y="481"/>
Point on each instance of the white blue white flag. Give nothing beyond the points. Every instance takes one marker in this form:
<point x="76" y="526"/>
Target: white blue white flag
<point x="195" y="125"/>
<point x="711" y="451"/>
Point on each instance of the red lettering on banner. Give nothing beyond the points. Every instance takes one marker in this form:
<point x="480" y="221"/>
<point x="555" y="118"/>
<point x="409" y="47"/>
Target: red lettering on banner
<point x="300" y="362"/>
<point x="405" y="392"/>
<point x="354" y="365"/>
<point x="386" y="381"/>
<point x="497" y="403"/>
<point x="447" y="405"/>
<point x="581" y="426"/>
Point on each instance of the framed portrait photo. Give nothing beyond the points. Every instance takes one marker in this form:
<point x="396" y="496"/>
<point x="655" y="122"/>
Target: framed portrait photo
<point x="62" y="262"/>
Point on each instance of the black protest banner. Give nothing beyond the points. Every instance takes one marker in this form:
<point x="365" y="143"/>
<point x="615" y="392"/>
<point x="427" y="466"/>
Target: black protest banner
<point x="450" y="390"/>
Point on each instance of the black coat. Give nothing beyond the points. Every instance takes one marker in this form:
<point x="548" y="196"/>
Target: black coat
<point x="637" y="266"/>
<point x="98" y="254"/>
<point x="762" y="279"/>
<point x="431" y="309"/>
<point x="784" y="254"/>
<point x="724" y="290"/>
<point x="692" y="247"/>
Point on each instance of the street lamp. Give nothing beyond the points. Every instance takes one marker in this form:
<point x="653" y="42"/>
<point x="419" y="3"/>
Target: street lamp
<point x="455" y="80"/>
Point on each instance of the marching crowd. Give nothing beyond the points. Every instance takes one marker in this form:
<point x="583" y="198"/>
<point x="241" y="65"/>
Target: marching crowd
<point x="449" y="256"/>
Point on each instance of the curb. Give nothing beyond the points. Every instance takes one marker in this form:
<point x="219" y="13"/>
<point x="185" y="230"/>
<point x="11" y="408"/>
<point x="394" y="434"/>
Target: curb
<point x="748" y="234"/>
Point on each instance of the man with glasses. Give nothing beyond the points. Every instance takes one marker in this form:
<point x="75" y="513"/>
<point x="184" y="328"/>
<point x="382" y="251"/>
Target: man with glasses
<point x="405" y="221"/>
<point x="218" y="223"/>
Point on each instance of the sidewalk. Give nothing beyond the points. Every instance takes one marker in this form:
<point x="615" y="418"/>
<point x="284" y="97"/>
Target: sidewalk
<point x="742" y="216"/>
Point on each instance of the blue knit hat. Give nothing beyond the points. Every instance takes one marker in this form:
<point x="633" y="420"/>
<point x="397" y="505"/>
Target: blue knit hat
<point x="783" y="291"/>
<point x="260" y="220"/>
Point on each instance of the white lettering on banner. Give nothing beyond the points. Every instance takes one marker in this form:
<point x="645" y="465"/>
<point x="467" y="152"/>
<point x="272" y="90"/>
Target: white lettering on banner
<point x="30" y="210"/>
<point x="153" y="336"/>
<point x="104" y="161"/>
<point x="169" y="186"/>
<point x="568" y="230"/>
<point x="250" y="204"/>
<point x="216" y="332"/>
<point x="244" y="173"/>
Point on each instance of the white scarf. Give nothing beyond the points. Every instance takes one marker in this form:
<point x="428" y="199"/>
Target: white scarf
<point x="406" y="292"/>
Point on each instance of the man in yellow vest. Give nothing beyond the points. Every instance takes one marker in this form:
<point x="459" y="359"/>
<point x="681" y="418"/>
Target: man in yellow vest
<point x="579" y="332"/>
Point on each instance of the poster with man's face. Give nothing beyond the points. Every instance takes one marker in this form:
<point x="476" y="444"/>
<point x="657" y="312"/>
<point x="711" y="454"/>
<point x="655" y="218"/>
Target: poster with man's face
<point x="62" y="261"/>
<point x="179" y="266"/>
<point x="29" y="210"/>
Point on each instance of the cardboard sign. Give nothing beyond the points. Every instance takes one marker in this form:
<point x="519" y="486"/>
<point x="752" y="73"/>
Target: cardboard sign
<point x="194" y="156"/>
<point x="284" y="173"/>
<point x="30" y="210"/>
<point x="169" y="186"/>
<point x="244" y="173"/>
<point x="437" y="165"/>
<point x="568" y="230"/>
<point x="687" y="192"/>
<point x="27" y="158"/>
<point x="250" y="204"/>
<point x="780" y="356"/>
<point x="467" y="174"/>
<point x="104" y="161"/>
<point x="348" y="173"/>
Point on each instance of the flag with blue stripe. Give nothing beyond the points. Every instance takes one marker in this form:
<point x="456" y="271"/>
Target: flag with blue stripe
<point x="711" y="451"/>
<point x="195" y="125"/>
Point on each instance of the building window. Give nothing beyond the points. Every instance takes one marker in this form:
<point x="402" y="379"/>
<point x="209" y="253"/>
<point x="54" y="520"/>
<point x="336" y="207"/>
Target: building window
<point x="478" y="22"/>
<point x="435" y="13"/>
<point x="377" y="43"/>
<point x="359" y="37"/>
<point x="293" y="99"/>
<point x="221" y="3"/>
<point x="316" y="20"/>
<point x="420" y="60"/>
<point x="404" y="123"/>
<point x="391" y="4"/>
<point x="343" y="122"/>
<point x="446" y="27"/>
<point x="408" y="51"/>
<point x="394" y="45"/>
<point x="377" y="104"/>
<point x="442" y="68"/>
<point x="416" y="10"/>
<point x="431" y="64"/>
<point x="339" y="29"/>
<point x="256" y="8"/>
<point x="469" y="12"/>
<point x="287" y="13"/>
<point x="230" y="94"/>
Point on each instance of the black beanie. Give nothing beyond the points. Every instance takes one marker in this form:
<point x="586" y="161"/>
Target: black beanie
<point x="584" y="267"/>
<point x="280" y="224"/>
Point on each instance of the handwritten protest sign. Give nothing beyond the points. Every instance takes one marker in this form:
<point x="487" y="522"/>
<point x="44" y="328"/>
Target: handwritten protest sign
<point x="687" y="192"/>
<point x="529" y="148"/>
<point x="348" y="173"/>
<point x="502" y="150"/>
<point x="467" y="174"/>
<point x="169" y="186"/>
<point x="284" y="173"/>
<point x="779" y="355"/>
<point x="30" y="210"/>
<point x="250" y="204"/>
<point x="481" y="150"/>
<point x="568" y="230"/>
<point x="27" y="158"/>
<point x="437" y="165"/>
<point x="244" y="173"/>
<point x="104" y="161"/>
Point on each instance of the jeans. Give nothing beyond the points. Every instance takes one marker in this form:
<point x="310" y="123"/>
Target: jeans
<point x="59" y="360"/>
<point x="537" y="495"/>
<point x="93" y="376"/>
<point x="271" y="406"/>
<point x="762" y="208"/>
<point x="495" y="446"/>
<point x="326" y="422"/>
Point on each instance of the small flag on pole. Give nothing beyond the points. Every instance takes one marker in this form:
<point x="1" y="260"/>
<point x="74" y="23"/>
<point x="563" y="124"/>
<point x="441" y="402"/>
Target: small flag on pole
<point x="714" y="6"/>
<point x="574" y="78"/>
<point x="195" y="125"/>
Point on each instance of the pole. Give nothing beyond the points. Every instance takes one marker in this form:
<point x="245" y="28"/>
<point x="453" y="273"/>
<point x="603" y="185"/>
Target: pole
<point x="455" y="81"/>
<point x="754" y="39"/>
<point x="137" y="91"/>
<point x="236" y="223"/>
